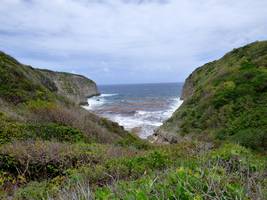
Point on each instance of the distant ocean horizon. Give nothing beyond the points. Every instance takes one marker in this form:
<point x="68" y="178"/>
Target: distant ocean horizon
<point x="140" y="108"/>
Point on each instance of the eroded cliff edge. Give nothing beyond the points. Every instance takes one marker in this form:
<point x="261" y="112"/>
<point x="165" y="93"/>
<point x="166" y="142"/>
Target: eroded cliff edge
<point x="225" y="99"/>
<point x="76" y="88"/>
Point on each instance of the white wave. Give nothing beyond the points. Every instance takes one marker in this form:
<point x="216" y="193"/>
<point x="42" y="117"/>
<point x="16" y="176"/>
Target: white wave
<point x="163" y="114"/>
<point x="97" y="101"/>
<point x="129" y="123"/>
<point x="148" y="121"/>
<point x="108" y="95"/>
<point x="175" y="105"/>
<point x="94" y="102"/>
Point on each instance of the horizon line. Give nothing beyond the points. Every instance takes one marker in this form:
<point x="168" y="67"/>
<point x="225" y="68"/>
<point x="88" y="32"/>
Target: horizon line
<point x="150" y="83"/>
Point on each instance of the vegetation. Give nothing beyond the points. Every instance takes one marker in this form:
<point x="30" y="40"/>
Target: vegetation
<point x="229" y="99"/>
<point x="182" y="171"/>
<point x="51" y="149"/>
<point x="15" y="86"/>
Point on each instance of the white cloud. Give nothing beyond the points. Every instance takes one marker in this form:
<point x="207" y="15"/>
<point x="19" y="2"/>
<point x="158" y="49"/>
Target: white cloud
<point x="165" y="38"/>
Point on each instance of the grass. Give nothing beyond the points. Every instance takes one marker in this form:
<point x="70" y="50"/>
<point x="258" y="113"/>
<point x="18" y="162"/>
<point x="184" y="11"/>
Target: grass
<point x="11" y="130"/>
<point x="228" y="99"/>
<point x="15" y="84"/>
<point x="226" y="172"/>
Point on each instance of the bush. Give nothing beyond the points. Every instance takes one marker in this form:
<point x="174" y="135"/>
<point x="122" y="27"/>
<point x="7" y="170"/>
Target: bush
<point x="230" y="172"/>
<point x="54" y="132"/>
<point x="37" y="160"/>
<point x="255" y="138"/>
<point x="15" y="87"/>
<point x="11" y="131"/>
<point x="94" y="128"/>
<point x="182" y="183"/>
<point x="136" y="166"/>
<point x="235" y="158"/>
<point x="185" y="171"/>
<point x="33" y="191"/>
<point x="131" y="140"/>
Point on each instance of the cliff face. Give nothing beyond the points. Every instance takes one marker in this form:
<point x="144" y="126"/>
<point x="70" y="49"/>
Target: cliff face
<point x="75" y="87"/>
<point x="20" y="83"/>
<point x="225" y="99"/>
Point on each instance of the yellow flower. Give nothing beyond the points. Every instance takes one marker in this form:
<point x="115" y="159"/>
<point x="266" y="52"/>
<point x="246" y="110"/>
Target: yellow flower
<point x="180" y="169"/>
<point x="198" y="197"/>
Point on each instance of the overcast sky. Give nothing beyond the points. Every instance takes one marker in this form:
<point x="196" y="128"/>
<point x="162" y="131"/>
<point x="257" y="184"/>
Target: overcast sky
<point x="128" y="41"/>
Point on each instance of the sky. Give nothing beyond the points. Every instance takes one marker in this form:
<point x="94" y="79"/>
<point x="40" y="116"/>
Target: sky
<point x="128" y="41"/>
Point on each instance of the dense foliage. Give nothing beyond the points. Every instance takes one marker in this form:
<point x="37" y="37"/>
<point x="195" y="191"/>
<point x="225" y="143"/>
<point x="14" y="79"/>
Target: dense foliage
<point x="229" y="99"/>
<point x="183" y="171"/>
<point x="17" y="82"/>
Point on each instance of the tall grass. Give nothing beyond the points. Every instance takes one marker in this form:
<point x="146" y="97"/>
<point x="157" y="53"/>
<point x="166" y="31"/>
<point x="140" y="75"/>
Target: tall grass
<point x="78" y="191"/>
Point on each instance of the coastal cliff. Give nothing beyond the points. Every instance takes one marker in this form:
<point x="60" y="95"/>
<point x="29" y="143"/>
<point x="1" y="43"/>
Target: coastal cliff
<point x="33" y="98"/>
<point x="21" y="82"/>
<point x="75" y="87"/>
<point x="224" y="99"/>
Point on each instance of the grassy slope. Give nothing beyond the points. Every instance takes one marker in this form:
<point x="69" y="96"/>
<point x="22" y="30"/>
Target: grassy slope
<point x="229" y="99"/>
<point x="20" y="83"/>
<point x="31" y="110"/>
<point x="51" y="149"/>
<point x="29" y="99"/>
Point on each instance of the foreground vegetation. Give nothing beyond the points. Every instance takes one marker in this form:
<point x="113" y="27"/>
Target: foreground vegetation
<point x="51" y="149"/>
<point x="191" y="170"/>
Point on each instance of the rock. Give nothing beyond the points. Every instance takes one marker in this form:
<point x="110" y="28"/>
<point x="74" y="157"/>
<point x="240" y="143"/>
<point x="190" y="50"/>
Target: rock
<point x="76" y="88"/>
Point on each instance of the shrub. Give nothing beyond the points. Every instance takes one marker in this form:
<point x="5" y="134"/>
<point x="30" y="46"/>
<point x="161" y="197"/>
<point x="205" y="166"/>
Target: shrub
<point x="54" y="132"/>
<point x="34" y="190"/>
<point x="255" y="138"/>
<point x="10" y="131"/>
<point x="15" y="87"/>
<point x="37" y="160"/>
<point x="130" y="140"/>
<point x="182" y="183"/>
<point x="77" y="191"/>
<point x="94" y="128"/>
<point x="236" y="158"/>
<point x="138" y="165"/>
<point x="230" y="172"/>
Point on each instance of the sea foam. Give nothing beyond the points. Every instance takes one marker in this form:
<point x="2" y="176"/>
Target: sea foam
<point x="146" y="121"/>
<point x="97" y="101"/>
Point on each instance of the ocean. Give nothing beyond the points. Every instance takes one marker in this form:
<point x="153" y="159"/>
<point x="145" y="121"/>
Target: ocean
<point x="140" y="108"/>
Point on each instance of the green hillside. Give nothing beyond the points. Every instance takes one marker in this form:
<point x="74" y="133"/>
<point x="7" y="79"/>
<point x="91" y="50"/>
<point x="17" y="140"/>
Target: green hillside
<point x="52" y="149"/>
<point x="225" y="99"/>
<point x="20" y="83"/>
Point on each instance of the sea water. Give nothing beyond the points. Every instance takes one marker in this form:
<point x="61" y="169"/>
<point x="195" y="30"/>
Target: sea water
<point x="140" y="108"/>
